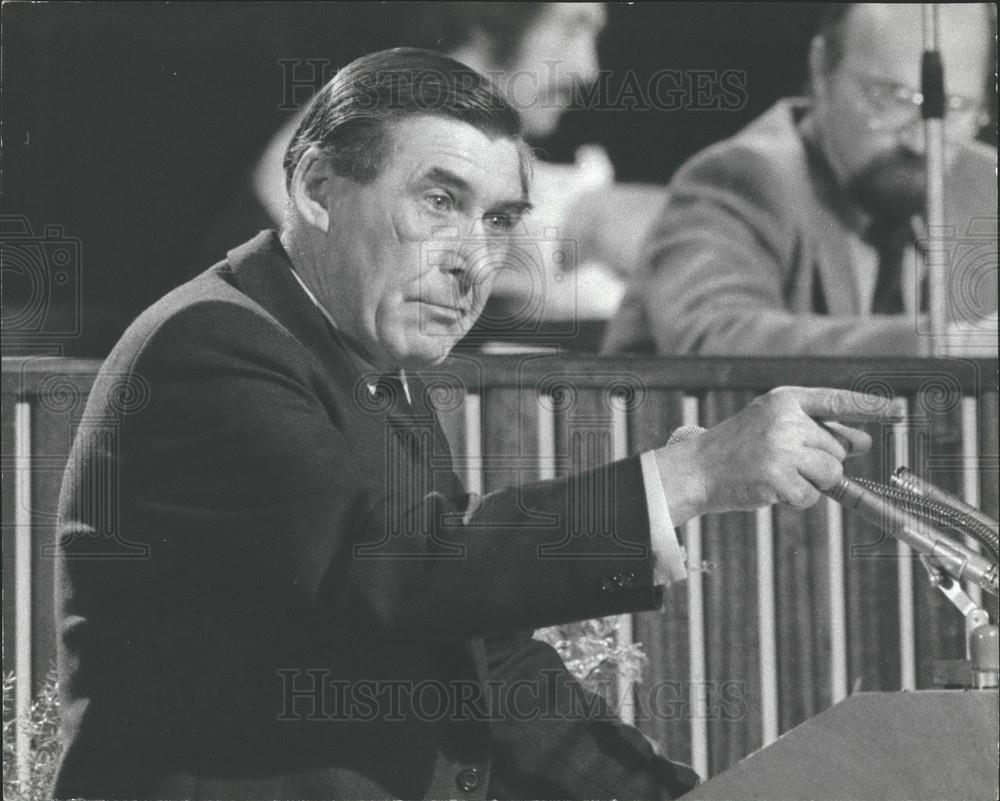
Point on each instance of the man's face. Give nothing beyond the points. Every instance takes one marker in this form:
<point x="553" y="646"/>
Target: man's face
<point x="870" y="126"/>
<point x="558" y="52"/>
<point x="410" y="257"/>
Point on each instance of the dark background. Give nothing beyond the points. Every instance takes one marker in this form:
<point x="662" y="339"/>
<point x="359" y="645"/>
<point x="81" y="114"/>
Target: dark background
<point x="128" y="130"/>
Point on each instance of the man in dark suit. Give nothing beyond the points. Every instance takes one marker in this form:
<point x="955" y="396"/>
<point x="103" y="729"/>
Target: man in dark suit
<point x="273" y="585"/>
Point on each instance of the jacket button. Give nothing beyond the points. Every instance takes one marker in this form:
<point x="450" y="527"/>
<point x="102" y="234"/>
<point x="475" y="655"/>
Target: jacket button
<point x="467" y="779"/>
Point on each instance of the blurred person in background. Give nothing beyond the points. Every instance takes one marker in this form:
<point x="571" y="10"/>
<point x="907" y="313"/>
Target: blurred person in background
<point x="800" y="234"/>
<point x="582" y="238"/>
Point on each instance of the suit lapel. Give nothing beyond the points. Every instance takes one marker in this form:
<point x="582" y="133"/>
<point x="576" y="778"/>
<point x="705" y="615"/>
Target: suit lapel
<point x="825" y="214"/>
<point x="835" y="269"/>
<point x="262" y="271"/>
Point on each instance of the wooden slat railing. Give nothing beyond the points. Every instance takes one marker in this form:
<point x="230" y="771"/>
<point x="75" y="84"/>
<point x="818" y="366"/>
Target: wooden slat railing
<point x="792" y="609"/>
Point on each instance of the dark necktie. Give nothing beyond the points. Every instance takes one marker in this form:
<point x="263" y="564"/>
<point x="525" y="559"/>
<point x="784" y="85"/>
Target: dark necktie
<point x="890" y="239"/>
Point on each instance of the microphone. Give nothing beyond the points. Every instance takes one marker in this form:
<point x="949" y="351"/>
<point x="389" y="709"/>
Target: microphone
<point x="684" y="433"/>
<point x="955" y="559"/>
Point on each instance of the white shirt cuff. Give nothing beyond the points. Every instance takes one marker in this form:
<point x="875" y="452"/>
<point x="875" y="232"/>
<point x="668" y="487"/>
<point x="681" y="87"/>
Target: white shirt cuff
<point x="669" y="558"/>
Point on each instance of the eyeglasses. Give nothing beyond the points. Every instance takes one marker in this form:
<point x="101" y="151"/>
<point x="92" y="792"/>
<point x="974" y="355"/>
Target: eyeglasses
<point x="893" y="106"/>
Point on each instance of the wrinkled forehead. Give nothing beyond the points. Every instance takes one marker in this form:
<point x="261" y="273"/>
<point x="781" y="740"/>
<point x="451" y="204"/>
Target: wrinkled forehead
<point x="495" y="167"/>
<point x="887" y="40"/>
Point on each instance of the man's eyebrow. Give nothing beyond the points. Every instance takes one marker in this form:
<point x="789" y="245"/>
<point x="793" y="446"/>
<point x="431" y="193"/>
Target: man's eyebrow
<point x="446" y="178"/>
<point x="439" y="175"/>
<point x="514" y="206"/>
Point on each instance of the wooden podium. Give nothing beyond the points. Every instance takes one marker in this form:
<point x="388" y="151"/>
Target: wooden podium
<point x="901" y="746"/>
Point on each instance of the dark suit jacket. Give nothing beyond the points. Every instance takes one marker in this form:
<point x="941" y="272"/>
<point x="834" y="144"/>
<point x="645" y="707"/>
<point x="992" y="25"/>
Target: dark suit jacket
<point x="273" y="586"/>
<point x="750" y="256"/>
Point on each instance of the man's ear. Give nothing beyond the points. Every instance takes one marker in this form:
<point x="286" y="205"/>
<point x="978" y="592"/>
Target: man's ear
<point x="311" y="188"/>
<point x="817" y="68"/>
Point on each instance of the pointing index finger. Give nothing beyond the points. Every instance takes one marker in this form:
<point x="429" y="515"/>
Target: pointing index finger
<point x="848" y="406"/>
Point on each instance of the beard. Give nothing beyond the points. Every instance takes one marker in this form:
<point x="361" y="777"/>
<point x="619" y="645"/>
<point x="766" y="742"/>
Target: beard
<point x="891" y="186"/>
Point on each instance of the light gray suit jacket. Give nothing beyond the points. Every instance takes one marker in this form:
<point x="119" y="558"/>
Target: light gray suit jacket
<point x="750" y="256"/>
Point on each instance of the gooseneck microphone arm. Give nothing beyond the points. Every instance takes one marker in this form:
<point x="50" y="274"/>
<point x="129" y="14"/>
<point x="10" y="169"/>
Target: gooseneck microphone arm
<point x="953" y="557"/>
<point x="936" y="512"/>
<point x="906" y="479"/>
